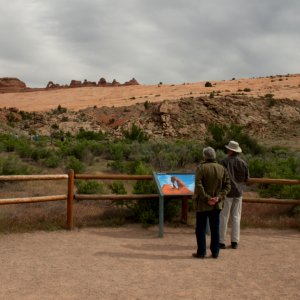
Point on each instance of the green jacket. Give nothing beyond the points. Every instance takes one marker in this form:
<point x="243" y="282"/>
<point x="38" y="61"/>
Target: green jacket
<point x="211" y="180"/>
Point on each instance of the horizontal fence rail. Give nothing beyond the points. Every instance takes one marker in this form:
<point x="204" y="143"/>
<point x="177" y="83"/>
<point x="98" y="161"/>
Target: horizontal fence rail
<point x="33" y="199"/>
<point x="274" y="181"/>
<point x="271" y="201"/>
<point x="33" y="177"/>
<point x="71" y="196"/>
<point x="113" y="177"/>
<point x="116" y="197"/>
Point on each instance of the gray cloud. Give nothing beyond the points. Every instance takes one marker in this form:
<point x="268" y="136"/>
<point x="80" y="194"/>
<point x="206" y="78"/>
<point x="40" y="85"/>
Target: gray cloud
<point x="169" y="41"/>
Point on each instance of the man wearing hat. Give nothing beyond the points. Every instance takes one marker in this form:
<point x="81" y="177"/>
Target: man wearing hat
<point x="239" y="173"/>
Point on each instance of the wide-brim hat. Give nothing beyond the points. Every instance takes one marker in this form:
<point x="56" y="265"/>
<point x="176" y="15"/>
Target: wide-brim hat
<point x="234" y="146"/>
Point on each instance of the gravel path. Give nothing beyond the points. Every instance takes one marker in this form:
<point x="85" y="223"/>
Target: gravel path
<point x="133" y="263"/>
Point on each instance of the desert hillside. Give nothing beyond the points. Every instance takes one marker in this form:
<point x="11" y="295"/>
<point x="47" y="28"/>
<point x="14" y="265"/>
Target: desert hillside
<point x="269" y="108"/>
<point x="281" y="86"/>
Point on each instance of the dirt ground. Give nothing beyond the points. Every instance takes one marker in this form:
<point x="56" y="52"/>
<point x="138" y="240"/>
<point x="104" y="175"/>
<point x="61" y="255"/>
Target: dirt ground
<point x="133" y="263"/>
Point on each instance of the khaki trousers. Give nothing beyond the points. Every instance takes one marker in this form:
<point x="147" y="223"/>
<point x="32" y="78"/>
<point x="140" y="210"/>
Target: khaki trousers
<point x="232" y="209"/>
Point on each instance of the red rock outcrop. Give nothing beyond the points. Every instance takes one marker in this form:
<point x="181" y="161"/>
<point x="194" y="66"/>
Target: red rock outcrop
<point x="52" y="85"/>
<point x="88" y="83"/>
<point x="102" y="82"/>
<point x="133" y="81"/>
<point x="115" y="83"/>
<point x="11" y="84"/>
<point x="75" y="83"/>
<point x="8" y="85"/>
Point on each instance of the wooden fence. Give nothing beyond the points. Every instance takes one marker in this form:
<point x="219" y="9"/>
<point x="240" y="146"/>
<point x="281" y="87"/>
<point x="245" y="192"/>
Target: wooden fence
<point x="70" y="196"/>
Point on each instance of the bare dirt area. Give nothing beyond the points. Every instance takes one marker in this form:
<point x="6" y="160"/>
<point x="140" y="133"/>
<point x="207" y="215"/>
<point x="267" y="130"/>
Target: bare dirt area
<point x="133" y="263"/>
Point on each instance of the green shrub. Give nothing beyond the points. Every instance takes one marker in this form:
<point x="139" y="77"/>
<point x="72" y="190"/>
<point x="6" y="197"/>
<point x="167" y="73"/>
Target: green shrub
<point x="8" y="142"/>
<point x="23" y="148"/>
<point x="119" y="150"/>
<point x="147" y="104"/>
<point x="59" y="110"/>
<point x="135" y="133"/>
<point x="14" y="166"/>
<point x="89" y="187"/>
<point x="40" y="153"/>
<point x="25" y="115"/>
<point x="52" y="161"/>
<point x="118" y="166"/>
<point x="64" y="119"/>
<point x="220" y="135"/>
<point x="90" y="135"/>
<point x="75" y="164"/>
<point x="247" y="90"/>
<point x="165" y="161"/>
<point x="55" y="126"/>
<point x="97" y="148"/>
<point x="207" y="84"/>
<point x="117" y="187"/>
<point x="76" y="148"/>
<point x="258" y="167"/>
<point x="269" y="96"/>
<point x="276" y="164"/>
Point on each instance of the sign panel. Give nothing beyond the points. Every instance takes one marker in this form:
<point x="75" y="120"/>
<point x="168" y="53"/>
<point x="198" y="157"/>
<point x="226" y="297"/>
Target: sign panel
<point x="175" y="183"/>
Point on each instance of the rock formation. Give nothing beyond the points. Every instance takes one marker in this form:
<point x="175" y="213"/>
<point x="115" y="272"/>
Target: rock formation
<point x="75" y="83"/>
<point x="89" y="83"/>
<point x="185" y="118"/>
<point x="102" y="82"/>
<point x="52" y="85"/>
<point x="10" y="84"/>
<point x="133" y="81"/>
<point x="115" y="83"/>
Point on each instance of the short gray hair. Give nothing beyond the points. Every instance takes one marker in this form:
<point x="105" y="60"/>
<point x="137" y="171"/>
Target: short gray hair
<point x="209" y="153"/>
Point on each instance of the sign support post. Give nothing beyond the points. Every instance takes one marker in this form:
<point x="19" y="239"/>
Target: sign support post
<point x="161" y="216"/>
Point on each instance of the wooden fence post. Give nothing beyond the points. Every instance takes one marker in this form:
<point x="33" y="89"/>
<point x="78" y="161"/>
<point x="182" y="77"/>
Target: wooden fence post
<point x="184" y="209"/>
<point x="70" y="200"/>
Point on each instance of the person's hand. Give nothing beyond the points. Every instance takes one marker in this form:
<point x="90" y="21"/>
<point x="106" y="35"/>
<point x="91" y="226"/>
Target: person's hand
<point x="213" y="201"/>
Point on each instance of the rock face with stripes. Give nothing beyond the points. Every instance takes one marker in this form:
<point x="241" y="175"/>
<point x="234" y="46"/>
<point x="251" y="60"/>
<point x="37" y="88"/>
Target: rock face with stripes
<point x="11" y="84"/>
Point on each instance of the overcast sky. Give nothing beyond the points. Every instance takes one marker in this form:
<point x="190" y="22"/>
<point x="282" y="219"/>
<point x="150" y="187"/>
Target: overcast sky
<point x="169" y="41"/>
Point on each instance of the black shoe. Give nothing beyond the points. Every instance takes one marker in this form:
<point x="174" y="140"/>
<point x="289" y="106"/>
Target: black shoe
<point x="234" y="245"/>
<point x="214" y="255"/>
<point x="222" y="246"/>
<point x="196" y="255"/>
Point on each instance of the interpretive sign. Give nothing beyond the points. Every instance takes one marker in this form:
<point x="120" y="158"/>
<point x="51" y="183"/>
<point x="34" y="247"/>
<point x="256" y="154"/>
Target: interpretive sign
<point x="175" y="183"/>
<point x="169" y="184"/>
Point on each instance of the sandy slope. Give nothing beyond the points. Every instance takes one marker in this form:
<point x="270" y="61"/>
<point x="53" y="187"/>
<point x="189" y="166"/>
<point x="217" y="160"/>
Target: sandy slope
<point x="133" y="263"/>
<point x="78" y="98"/>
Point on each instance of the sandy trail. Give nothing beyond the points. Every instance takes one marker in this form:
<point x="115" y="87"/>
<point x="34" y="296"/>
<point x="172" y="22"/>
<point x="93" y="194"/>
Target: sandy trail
<point x="133" y="263"/>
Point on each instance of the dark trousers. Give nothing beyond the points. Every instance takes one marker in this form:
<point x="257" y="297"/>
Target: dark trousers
<point x="214" y="222"/>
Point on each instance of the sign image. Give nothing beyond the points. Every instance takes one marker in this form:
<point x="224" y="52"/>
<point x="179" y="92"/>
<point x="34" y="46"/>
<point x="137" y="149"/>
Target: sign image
<point x="176" y="184"/>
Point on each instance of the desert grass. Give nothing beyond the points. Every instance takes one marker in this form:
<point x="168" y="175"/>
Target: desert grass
<point x="52" y="215"/>
<point x="277" y="216"/>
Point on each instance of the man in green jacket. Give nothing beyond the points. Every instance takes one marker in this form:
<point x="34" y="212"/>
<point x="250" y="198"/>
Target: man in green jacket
<point x="212" y="184"/>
